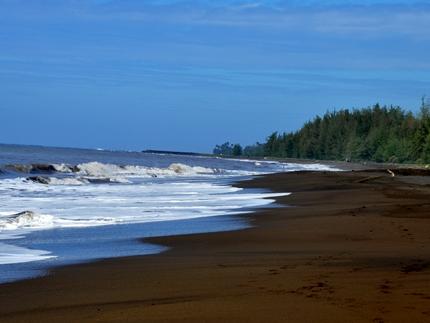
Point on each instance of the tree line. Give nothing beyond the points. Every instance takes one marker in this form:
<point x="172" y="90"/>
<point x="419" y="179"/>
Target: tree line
<point x="377" y="133"/>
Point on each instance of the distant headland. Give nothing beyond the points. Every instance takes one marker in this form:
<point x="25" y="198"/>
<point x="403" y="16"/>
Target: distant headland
<point x="169" y="152"/>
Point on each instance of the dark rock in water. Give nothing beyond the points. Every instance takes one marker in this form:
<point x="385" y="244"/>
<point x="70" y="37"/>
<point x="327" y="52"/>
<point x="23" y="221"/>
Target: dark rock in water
<point x="99" y="180"/>
<point x="75" y="169"/>
<point x="42" y="168"/>
<point x="39" y="179"/>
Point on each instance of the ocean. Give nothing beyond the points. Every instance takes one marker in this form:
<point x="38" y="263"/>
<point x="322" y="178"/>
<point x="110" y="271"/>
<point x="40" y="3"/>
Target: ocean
<point x="60" y="206"/>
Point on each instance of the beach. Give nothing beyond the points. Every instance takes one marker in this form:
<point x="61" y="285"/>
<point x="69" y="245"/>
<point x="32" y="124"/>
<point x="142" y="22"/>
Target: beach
<point x="347" y="246"/>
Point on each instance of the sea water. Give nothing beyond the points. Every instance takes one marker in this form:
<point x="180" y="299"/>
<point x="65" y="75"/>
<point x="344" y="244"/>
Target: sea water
<point x="61" y="206"/>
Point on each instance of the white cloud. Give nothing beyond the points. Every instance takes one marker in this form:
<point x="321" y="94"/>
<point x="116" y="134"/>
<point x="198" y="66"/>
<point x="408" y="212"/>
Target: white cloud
<point x="375" y="21"/>
<point x="370" y="21"/>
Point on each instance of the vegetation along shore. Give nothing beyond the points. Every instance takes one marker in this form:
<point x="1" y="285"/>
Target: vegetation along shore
<point x="379" y="133"/>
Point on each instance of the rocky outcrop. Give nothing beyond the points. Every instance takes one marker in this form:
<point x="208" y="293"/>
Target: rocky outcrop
<point x="105" y="180"/>
<point x="74" y="169"/>
<point x="39" y="179"/>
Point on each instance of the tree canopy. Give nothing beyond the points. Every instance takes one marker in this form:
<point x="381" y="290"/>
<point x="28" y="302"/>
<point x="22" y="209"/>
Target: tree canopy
<point x="228" y="149"/>
<point x="378" y="133"/>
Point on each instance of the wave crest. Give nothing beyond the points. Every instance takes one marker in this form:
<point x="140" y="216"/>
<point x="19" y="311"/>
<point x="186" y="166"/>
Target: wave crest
<point x="104" y="173"/>
<point x="26" y="219"/>
<point x="96" y="169"/>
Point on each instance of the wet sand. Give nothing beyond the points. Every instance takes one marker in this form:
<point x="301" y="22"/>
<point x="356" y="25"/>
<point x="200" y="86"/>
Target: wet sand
<point x="349" y="247"/>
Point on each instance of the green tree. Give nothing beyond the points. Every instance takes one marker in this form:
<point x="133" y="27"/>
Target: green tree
<point x="378" y="133"/>
<point x="237" y="150"/>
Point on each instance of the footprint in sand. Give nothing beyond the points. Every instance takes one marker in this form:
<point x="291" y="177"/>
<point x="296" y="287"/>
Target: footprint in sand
<point x="385" y="287"/>
<point x="416" y="265"/>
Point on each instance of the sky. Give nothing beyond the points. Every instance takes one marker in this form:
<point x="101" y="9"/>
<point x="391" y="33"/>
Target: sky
<point x="186" y="75"/>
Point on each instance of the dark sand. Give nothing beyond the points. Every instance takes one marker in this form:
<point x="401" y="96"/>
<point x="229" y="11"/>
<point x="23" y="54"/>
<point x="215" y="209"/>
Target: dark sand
<point x="354" y="248"/>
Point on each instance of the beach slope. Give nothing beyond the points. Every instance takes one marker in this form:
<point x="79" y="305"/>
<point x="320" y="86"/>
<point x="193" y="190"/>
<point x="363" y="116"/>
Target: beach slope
<point x="348" y="247"/>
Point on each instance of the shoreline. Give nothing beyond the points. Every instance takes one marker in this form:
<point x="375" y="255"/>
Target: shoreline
<point x="127" y="240"/>
<point x="354" y="247"/>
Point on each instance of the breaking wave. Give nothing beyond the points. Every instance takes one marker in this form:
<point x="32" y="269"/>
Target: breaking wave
<point x="103" y="173"/>
<point x="97" y="169"/>
<point x="84" y="188"/>
<point x="26" y="219"/>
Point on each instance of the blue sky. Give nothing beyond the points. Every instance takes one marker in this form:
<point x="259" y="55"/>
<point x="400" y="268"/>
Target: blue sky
<point x="186" y="75"/>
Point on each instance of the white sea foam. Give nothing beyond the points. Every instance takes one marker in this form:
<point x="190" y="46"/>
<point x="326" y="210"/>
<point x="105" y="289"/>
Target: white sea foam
<point x="70" y="206"/>
<point x="10" y="254"/>
<point x="281" y="166"/>
<point x="68" y="181"/>
<point x="62" y="168"/>
<point x="308" y="167"/>
<point x="25" y="219"/>
<point x="96" y="169"/>
<point x="123" y="194"/>
<point x="120" y="174"/>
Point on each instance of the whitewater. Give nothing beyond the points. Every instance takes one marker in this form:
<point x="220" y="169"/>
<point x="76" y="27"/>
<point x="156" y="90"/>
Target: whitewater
<point x="57" y="205"/>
